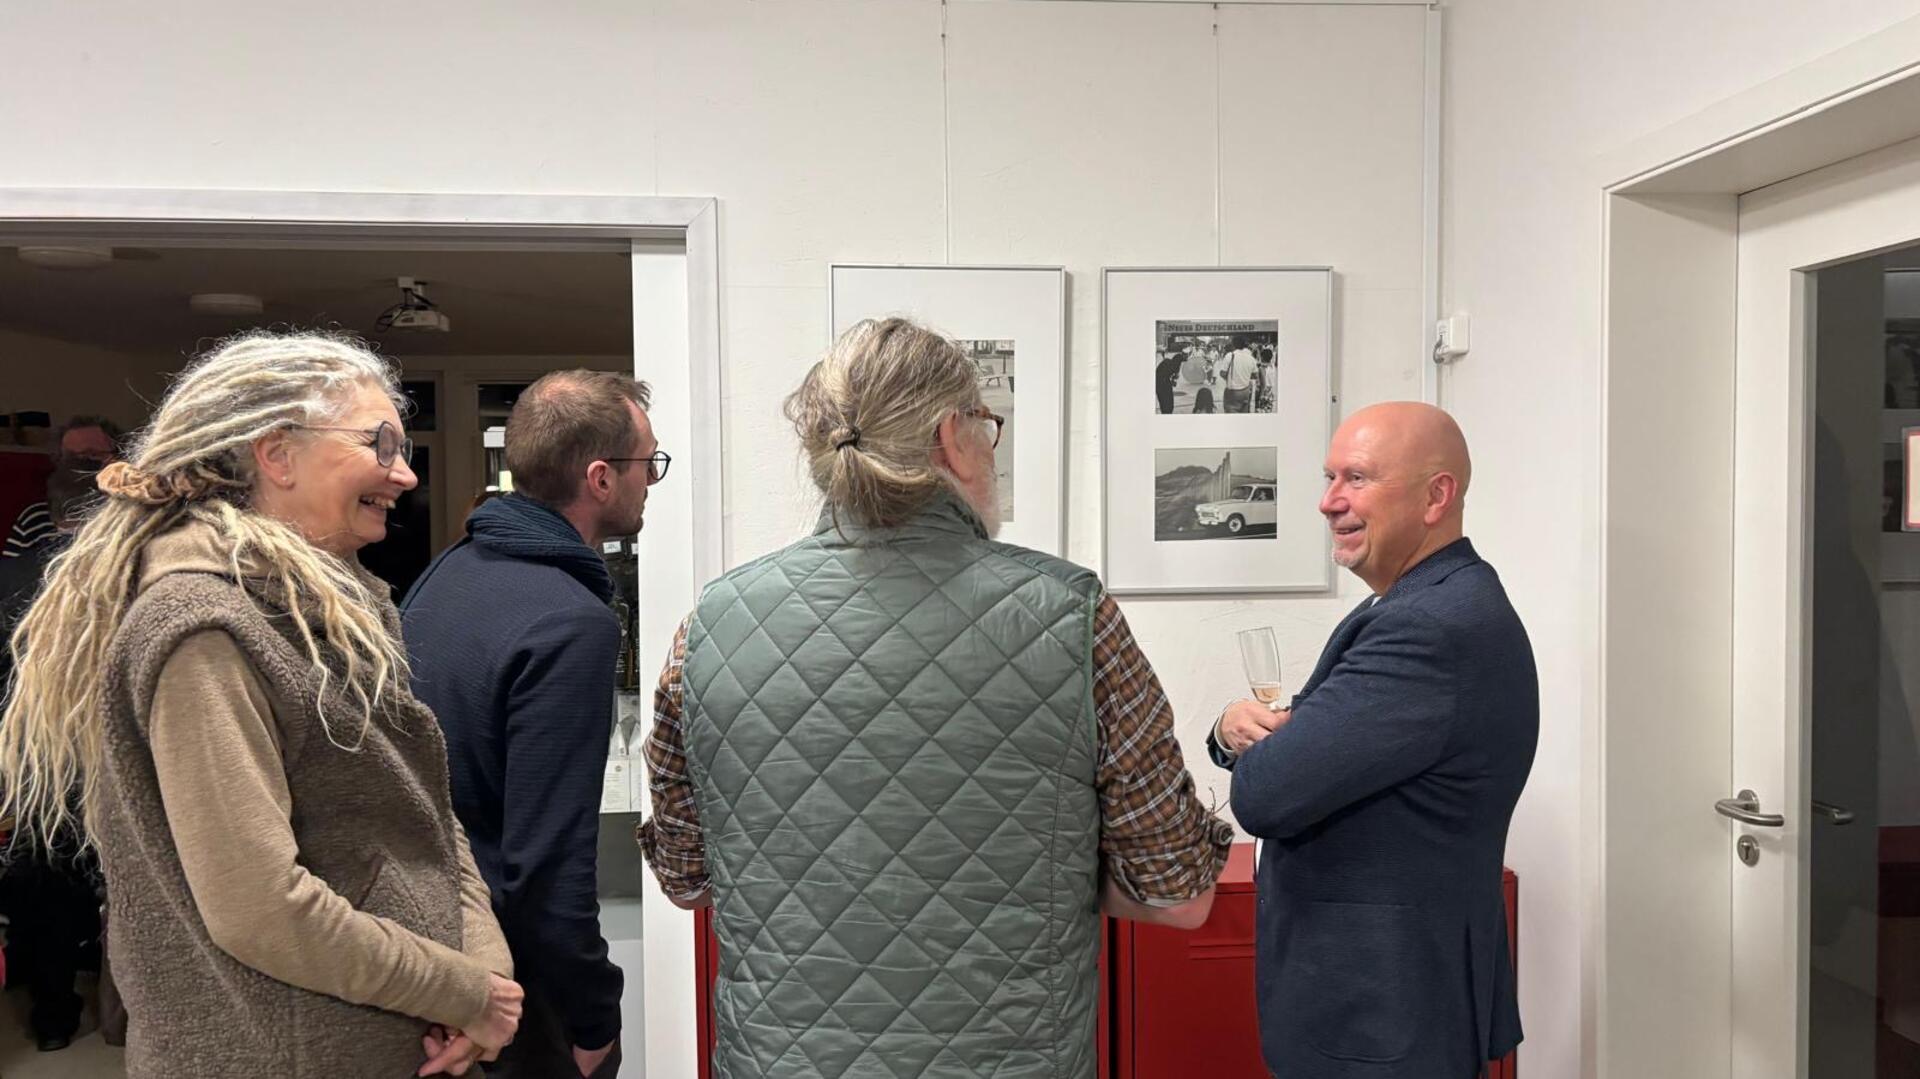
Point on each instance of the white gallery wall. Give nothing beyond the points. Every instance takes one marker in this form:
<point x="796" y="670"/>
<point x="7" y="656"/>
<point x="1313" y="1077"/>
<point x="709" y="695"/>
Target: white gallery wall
<point x="1537" y="92"/>
<point x="1080" y="134"/>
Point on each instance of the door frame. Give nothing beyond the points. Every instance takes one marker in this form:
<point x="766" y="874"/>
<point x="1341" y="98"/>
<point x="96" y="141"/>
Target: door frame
<point x="1657" y="719"/>
<point x="688" y="542"/>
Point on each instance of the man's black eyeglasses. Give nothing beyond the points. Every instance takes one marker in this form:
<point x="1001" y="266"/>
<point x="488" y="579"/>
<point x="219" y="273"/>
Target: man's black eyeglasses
<point x="656" y="465"/>
<point x="386" y="441"/>
<point x="985" y="413"/>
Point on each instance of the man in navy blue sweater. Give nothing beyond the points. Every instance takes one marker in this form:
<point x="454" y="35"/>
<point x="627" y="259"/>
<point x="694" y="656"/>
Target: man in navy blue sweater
<point x="513" y="645"/>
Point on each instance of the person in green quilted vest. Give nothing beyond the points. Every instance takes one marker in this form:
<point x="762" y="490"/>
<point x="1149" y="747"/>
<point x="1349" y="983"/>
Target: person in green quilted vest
<point x="909" y="766"/>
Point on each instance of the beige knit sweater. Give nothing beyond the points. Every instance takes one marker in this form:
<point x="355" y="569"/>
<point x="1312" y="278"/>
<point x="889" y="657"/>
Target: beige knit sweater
<point x="280" y="906"/>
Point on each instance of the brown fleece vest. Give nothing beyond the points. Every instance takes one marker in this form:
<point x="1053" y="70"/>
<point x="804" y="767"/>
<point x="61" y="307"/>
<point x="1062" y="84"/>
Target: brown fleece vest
<point x="376" y="825"/>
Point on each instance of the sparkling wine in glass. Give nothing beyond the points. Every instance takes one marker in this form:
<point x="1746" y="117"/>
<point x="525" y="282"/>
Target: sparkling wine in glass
<point x="1260" y="654"/>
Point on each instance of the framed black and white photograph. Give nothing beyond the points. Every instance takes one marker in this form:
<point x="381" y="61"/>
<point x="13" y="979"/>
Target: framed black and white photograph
<point x="1011" y="323"/>
<point x="1215" y="367"/>
<point x="1212" y="482"/>
<point x="1214" y="493"/>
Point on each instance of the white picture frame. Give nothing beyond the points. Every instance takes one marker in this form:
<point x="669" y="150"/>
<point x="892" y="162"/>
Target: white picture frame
<point x="1212" y="378"/>
<point x="1013" y="322"/>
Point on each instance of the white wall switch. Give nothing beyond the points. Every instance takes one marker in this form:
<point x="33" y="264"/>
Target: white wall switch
<point x="1452" y="337"/>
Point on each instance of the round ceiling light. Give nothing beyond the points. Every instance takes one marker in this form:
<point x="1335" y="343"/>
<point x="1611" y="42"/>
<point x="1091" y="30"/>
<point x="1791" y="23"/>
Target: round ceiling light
<point x="66" y="256"/>
<point x="225" y="303"/>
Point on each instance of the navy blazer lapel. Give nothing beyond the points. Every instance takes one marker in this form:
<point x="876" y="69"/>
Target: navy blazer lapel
<point x="1438" y="567"/>
<point x="1343" y="634"/>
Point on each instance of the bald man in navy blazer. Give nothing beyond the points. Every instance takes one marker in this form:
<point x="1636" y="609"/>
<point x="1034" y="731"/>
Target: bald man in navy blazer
<point x="1383" y="793"/>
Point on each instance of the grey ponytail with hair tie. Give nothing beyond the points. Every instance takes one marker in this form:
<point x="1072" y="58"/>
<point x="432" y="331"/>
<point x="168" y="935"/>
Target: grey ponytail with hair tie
<point x="902" y="380"/>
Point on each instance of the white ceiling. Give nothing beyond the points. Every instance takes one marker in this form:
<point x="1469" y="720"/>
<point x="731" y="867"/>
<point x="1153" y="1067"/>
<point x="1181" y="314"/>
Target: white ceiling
<point x="502" y="302"/>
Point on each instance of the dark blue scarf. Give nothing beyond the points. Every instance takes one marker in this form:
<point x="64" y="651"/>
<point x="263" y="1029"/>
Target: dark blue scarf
<point x="519" y="527"/>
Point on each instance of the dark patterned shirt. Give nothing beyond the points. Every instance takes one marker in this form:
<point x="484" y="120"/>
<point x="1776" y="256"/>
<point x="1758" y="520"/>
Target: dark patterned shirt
<point x="32" y="528"/>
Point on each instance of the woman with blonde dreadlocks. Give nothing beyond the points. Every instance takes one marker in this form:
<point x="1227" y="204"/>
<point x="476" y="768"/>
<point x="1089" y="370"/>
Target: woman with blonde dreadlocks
<point x="211" y="669"/>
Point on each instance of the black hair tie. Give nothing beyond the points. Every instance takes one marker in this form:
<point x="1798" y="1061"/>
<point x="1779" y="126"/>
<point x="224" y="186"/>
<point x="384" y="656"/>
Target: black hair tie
<point x="847" y="436"/>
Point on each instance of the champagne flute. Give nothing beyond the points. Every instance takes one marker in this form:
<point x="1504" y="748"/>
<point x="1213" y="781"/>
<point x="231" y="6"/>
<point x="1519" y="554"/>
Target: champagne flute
<point x="1260" y="654"/>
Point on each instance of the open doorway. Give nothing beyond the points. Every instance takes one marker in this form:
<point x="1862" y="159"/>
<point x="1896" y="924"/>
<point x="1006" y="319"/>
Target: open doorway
<point x="672" y="296"/>
<point x="99" y="326"/>
<point x="1743" y="608"/>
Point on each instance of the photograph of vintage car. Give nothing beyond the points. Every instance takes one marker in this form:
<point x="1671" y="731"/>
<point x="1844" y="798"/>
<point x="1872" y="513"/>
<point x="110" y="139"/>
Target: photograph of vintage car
<point x="1201" y="494"/>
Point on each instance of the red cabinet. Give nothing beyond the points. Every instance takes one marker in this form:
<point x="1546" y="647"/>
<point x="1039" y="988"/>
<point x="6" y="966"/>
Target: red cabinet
<point x="1507" y="1067"/>
<point x="1182" y="1002"/>
<point x="1171" y="1002"/>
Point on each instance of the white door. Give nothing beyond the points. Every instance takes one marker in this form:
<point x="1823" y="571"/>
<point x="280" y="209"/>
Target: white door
<point x="1826" y="644"/>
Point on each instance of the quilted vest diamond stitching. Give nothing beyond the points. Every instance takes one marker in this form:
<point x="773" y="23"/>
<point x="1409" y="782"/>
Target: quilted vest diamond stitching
<point x="892" y="742"/>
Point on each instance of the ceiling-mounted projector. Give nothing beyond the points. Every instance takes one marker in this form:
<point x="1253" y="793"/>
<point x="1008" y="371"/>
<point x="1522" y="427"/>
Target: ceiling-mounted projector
<point x="420" y="318"/>
<point x="414" y="313"/>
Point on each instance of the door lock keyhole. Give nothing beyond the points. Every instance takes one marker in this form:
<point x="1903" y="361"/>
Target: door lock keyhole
<point x="1748" y="848"/>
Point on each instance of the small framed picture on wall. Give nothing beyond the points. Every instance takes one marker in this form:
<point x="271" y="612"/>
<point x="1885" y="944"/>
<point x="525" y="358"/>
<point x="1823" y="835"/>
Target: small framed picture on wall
<point x="1217" y="398"/>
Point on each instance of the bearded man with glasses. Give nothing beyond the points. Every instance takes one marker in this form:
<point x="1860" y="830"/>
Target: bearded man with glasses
<point x="908" y="766"/>
<point x="514" y="646"/>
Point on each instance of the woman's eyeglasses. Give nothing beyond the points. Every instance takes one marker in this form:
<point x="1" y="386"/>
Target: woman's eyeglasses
<point x="656" y="465"/>
<point x="386" y="441"/>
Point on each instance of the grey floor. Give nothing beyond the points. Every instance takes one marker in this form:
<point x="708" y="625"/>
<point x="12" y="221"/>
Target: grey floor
<point x="87" y="1058"/>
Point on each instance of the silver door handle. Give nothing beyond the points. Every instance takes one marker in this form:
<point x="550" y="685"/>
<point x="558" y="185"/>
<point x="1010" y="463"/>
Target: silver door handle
<point x="1833" y="812"/>
<point x="1745" y="808"/>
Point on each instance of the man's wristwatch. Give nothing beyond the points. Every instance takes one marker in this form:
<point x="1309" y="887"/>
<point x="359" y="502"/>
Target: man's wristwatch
<point x="1217" y="749"/>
